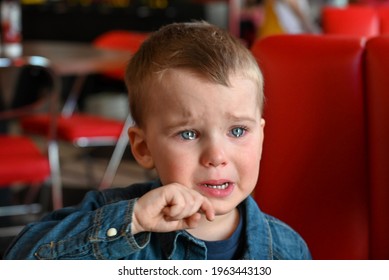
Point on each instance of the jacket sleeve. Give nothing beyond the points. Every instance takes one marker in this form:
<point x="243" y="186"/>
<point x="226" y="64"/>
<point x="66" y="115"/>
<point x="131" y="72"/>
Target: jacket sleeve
<point x="93" y="230"/>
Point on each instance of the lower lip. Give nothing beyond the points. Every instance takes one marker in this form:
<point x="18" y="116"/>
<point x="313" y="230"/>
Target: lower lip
<point x="218" y="193"/>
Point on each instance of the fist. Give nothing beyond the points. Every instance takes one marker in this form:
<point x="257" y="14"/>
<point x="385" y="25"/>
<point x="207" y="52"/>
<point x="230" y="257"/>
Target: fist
<point x="169" y="208"/>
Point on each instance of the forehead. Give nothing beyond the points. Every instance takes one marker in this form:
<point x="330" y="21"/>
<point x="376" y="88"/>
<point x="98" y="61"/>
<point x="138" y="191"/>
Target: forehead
<point x="189" y="94"/>
<point x="184" y="85"/>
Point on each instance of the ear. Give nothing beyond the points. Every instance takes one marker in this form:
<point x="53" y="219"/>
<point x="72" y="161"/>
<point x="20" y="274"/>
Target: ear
<point x="262" y="124"/>
<point x="139" y="147"/>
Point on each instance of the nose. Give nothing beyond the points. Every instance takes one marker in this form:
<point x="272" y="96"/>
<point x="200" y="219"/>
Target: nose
<point x="213" y="154"/>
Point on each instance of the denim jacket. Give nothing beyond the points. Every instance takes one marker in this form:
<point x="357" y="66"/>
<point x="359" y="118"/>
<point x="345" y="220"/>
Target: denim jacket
<point x="100" y="228"/>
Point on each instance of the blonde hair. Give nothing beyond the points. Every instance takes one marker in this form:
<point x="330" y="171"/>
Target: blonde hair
<point x="202" y="48"/>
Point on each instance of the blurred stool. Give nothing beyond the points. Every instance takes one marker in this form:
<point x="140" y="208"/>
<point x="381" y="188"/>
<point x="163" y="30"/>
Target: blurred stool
<point x="23" y="164"/>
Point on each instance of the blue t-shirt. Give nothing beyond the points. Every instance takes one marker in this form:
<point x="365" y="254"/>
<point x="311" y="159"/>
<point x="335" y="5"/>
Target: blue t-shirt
<point x="226" y="249"/>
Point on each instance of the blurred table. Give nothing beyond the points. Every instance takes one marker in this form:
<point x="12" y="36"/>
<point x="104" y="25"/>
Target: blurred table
<point x="73" y="58"/>
<point x="76" y="59"/>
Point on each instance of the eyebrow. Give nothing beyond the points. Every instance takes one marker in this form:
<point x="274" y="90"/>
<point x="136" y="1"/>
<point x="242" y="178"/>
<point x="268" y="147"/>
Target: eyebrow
<point x="189" y="120"/>
<point x="239" y="118"/>
<point x="185" y="122"/>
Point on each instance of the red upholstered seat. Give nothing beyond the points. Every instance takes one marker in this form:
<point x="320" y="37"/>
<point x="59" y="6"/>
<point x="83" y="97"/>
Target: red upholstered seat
<point x="120" y="40"/>
<point x="383" y="14"/>
<point x="75" y="127"/>
<point x="313" y="170"/>
<point x="377" y="97"/>
<point x="21" y="161"/>
<point x="83" y="129"/>
<point x="355" y="20"/>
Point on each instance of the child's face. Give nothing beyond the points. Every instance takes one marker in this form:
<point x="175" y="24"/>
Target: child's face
<point x="205" y="136"/>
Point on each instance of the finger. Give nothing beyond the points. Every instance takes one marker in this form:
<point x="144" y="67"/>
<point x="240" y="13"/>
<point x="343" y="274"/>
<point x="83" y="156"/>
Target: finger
<point x="182" y="203"/>
<point x="182" y="210"/>
<point x="185" y="223"/>
<point x="194" y="203"/>
<point x="207" y="209"/>
<point x="193" y="221"/>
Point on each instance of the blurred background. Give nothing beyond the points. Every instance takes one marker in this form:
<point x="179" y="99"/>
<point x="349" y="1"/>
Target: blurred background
<point x="103" y="94"/>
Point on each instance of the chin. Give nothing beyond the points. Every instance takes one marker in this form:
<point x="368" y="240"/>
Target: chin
<point x="221" y="211"/>
<point x="229" y="203"/>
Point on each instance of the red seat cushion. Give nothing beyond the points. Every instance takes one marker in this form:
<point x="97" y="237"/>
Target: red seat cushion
<point x="21" y="161"/>
<point x="120" y="40"/>
<point x="75" y="127"/>
<point x="350" y="20"/>
<point x="383" y="13"/>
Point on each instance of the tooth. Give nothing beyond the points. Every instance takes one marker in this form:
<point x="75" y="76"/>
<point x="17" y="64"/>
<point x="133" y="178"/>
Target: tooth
<point x="220" y="187"/>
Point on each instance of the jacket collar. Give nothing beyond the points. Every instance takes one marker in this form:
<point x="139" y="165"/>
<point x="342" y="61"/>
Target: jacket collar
<point x="258" y="234"/>
<point x="181" y="245"/>
<point x="258" y="239"/>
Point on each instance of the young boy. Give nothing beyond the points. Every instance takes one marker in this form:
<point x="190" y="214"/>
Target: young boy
<point x="196" y="98"/>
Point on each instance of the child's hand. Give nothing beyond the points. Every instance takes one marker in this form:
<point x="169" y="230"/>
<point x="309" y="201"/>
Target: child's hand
<point x="169" y="208"/>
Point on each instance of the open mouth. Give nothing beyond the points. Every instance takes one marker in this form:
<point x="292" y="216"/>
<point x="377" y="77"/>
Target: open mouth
<point x="218" y="187"/>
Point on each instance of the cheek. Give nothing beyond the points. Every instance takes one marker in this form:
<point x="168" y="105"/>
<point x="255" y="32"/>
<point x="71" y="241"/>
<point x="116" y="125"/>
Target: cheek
<point x="249" y="166"/>
<point x="249" y="159"/>
<point x="172" y="165"/>
<point x="252" y="148"/>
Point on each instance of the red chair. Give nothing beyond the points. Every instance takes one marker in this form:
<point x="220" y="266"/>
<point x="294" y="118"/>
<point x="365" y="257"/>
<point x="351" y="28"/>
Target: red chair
<point x="22" y="162"/>
<point x="86" y="130"/>
<point x="377" y="68"/>
<point x="355" y="20"/>
<point x="80" y="129"/>
<point x="313" y="169"/>
<point x="383" y="14"/>
<point x="128" y="41"/>
<point x="120" y="40"/>
<point x="373" y="2"/>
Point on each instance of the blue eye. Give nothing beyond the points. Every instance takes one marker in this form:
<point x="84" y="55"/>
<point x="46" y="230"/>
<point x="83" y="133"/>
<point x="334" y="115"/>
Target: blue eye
<point x="188" y="135"/>
<point x="238" y="131"/>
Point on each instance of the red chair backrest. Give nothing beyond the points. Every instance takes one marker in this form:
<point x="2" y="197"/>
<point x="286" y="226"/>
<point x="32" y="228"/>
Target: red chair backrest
<point x="357" y="20"/>
<point x="377" y="69"/>
<point x="383" y="14"/>
<point x="373" y="2"/>
<point x="313" y="170"/>
<point x="120" y="40"/>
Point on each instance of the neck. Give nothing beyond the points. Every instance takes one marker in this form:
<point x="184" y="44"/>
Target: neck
<point x="221" y="228"/>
